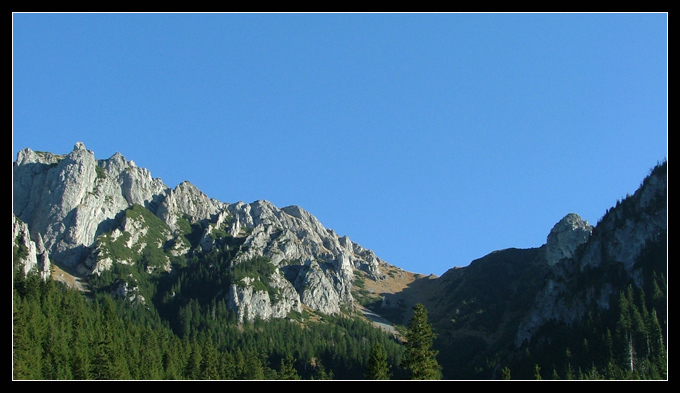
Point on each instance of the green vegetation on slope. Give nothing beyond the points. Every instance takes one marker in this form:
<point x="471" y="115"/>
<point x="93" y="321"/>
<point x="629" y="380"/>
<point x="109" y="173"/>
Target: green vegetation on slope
<point x="61" y="334"/>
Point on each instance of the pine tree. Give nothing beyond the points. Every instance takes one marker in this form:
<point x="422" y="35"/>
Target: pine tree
<point x="254" y="369"/>
<point x="657" y="345"/>
<point x="537" y="372"/>
<point x="420" y="360"/>
<point x="320" y="372"/>
<point x="104" y="367"/>
<point x="570" y="372"/>
<point x="555" y="375"/>
<point x="227" y="366"/>
<point x="193" y="366"/>
<point x="209" y="368"/>
<point x="239" y="364"/>
<point x="151" y="360"/>
<point x="81" y="336"/>
<point x="378" y="368"/>
<point x="287" y="370"/>
<point x="26" y="351"/>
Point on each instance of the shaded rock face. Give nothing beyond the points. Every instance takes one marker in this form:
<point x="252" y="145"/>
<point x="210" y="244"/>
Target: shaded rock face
<point x="574" y="249"/>
<point x="66" y="203"/>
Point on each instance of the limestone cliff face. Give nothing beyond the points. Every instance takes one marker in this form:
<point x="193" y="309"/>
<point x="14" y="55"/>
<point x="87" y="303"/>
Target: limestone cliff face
<point x="250" y="303"/>
<point x="563" y="239"/>
<point x="69" y="200"/>
<point x="188" y="200"/>
<point x="30" y="255"/>
<point x="70" y="207"/>
<point x="575" y="250"/>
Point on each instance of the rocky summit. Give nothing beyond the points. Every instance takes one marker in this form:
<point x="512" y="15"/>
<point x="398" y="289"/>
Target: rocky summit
<point x="68" y="208"/>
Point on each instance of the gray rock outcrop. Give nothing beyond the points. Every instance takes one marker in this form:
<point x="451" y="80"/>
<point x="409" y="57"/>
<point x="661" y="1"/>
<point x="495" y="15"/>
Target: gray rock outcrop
<point x="31" y="255"/>
<point x="563" y="239"/>
<point x="70" y="200"/>
<point x="72" y="205"/>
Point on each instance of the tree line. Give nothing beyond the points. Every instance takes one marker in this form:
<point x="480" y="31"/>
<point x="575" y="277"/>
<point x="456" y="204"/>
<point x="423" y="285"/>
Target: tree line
<point x="61" y="334"/>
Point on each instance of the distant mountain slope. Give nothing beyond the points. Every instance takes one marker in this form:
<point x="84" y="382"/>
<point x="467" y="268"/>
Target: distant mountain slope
<point x="489" y="310"/>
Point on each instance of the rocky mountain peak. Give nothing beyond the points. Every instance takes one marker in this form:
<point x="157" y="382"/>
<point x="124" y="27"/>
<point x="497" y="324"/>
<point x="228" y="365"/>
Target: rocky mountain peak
<point x="563" y="239"/>
<point x="88" y="215"/>
<point x="619" y="240"/>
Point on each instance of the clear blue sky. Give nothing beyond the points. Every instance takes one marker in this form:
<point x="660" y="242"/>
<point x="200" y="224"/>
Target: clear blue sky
<point x="431" y="138"/>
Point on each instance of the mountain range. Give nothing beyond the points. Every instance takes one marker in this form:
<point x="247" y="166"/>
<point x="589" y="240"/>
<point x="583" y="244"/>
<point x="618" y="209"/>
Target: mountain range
<point x="106" y="225"/>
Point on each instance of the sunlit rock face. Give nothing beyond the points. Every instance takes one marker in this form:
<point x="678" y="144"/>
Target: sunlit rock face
<point x="563" y="239"/>
<point x="69" y="203"/>
<point x="69" y="200"/>
<point x="31" y="255"/>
